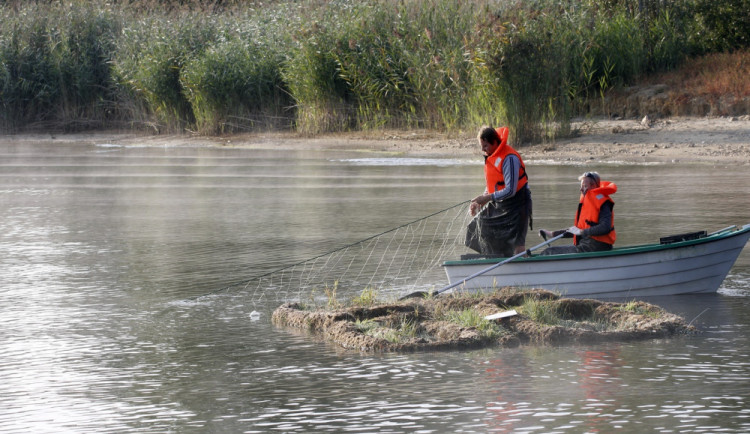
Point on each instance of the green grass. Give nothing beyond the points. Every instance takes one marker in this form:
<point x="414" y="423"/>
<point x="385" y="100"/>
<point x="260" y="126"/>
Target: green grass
<point x="366" y="326"/>
<point x="640" y="309"/>
<point x="472" y="318"/>
<point x="401" y="332"/>
<point x="541" y="311"/>
<point x="366" y="298"/>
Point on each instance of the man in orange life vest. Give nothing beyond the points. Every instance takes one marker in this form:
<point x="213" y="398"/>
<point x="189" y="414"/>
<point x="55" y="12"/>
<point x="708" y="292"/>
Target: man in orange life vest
<point x="594" y="228"/>
<point x="500" y="229"/>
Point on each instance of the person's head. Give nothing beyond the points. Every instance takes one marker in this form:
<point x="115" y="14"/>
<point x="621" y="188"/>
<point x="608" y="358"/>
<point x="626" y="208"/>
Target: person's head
<point x="589" y="180"/>
<point x="489" y="140"/>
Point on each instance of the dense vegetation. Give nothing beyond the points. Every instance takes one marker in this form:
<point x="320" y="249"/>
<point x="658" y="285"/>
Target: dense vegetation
<point x="315" y="66"/>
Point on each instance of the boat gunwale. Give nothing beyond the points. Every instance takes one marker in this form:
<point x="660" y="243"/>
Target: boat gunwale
<point x="722" y="234"/>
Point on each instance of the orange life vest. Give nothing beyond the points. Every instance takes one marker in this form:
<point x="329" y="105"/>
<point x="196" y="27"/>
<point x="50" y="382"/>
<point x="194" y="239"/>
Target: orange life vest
<point x="493" y="165"/>
<point x="588" y="210"/>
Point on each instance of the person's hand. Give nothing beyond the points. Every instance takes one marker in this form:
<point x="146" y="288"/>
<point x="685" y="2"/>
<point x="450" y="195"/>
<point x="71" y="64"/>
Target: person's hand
<point x="574" y="230"/>
<point x="482" y="199"/>
<point x="474" y="208"/>
<point x="478" y="202"/>
<point x="544" y="233"/>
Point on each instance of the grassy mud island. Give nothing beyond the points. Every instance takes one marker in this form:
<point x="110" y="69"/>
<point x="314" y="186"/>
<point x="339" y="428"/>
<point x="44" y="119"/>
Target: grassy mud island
<point x="459" y="321"/>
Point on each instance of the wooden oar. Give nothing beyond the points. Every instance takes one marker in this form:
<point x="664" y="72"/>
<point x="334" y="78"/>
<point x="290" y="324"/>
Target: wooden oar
<point x="480" y="272"/>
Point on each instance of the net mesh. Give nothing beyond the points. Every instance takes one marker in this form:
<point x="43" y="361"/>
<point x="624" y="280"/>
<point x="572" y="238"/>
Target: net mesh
<point x="391" y="264"/>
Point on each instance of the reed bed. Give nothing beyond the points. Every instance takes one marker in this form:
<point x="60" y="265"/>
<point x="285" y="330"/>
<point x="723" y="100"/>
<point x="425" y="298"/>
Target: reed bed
<point x="315" y="66"/>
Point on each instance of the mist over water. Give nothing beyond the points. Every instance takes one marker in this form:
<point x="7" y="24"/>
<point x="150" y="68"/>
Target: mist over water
<point x="109" y="321"/>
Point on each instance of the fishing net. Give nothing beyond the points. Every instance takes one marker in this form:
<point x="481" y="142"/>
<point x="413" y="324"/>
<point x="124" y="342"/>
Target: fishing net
<point x="390" y="264"/>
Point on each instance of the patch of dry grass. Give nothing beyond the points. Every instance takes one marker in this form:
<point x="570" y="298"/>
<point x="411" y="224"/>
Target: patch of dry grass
<point x="713" y="76"/>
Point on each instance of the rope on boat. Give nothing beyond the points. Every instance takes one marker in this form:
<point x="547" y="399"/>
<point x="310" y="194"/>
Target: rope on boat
<point x="286" y="267"/>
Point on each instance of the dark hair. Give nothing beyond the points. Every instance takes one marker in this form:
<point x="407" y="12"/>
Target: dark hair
<point x="489" y="134"/>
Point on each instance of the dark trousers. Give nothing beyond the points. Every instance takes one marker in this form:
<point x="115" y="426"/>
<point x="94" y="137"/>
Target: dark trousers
<point x="584" y="245"/>
<point x="502" y="226"/>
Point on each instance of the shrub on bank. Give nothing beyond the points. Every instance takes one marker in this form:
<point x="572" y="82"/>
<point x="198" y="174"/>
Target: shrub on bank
<point x="323" y="99"/>
<point x="523" y="69"/>
<point x="385" y="65"/>
<point x="151" y="55"/>
<point x="722" y="25"/>
<point x="236" y="85"/>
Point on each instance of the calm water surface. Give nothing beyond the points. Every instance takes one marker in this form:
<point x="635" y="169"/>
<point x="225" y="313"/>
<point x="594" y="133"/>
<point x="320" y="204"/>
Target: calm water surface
<point x="106" y="250"/>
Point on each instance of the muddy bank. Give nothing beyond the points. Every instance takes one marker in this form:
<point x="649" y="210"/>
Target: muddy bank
<point x="691" y="140"/>
<point x="457" y="322"/>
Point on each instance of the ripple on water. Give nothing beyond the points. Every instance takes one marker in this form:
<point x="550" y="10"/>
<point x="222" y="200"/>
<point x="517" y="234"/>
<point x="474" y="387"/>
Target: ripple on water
<point x="399" y="161"/>
<point x="104" y="246"/>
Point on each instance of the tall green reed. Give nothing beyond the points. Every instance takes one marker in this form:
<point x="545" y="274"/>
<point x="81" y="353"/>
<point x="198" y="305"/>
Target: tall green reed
<point x="375" y="66"/>
<point x="521" y="69"/>
<point x="382" y="65"/>
<point x="436" y="38"/>
<point x="83" y="56"/>
<point x="323" y="99"/>
<point x="236" y="85"/>
<point x="55" y="66"/>
<point x="344" y="64"/>
<point x="150" y="57"/>
<point x="28" y="92"/>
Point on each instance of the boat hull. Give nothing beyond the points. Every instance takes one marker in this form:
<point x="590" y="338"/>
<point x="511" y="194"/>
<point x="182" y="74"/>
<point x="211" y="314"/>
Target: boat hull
<point x="687" y="267"/>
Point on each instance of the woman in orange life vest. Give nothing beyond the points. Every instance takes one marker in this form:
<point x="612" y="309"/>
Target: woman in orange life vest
<point x="594" y="228"/>
<point x="500" y="229"/>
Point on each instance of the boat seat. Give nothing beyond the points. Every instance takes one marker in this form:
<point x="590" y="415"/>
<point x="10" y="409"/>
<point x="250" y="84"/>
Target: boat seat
<point x="682" y="237"/>
<point x="469" y="256"/>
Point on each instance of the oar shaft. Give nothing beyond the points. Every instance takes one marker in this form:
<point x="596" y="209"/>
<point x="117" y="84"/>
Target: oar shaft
<point x="480" y="272"/>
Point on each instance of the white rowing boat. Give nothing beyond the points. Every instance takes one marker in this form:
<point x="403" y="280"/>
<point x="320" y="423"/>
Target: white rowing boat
<point x="681" y="264"/>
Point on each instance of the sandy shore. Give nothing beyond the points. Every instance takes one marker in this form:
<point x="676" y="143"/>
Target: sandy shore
<point x="723" y="141"/>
